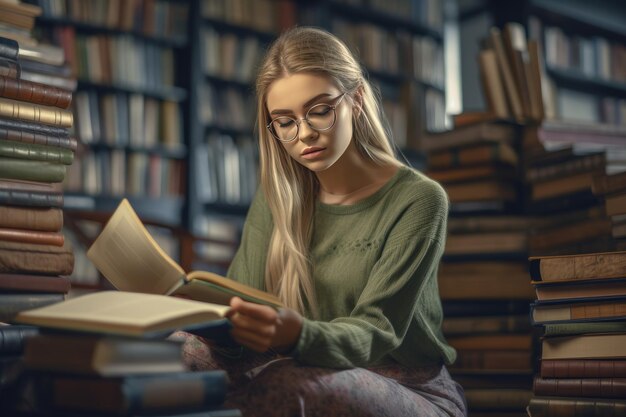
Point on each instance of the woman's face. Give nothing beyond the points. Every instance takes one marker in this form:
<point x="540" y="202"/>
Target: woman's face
<point x="293" y="96"/>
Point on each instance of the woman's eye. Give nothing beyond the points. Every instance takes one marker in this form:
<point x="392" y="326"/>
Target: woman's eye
<point x="286" y="123"/>
<point x="320" y="111"/>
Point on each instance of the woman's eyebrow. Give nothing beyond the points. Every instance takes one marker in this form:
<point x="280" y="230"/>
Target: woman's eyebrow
<point x="307" y="104"/>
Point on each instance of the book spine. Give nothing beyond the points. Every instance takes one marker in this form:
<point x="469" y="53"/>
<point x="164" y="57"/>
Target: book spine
<point x="573" y="407"/>
<point x="38" y="139"/>
<point x="35" y="152"/>
<point x="493" y="359"/>
<point x="31" y="186"/>
<point x="12" y="339"/>
<point x="9" y="69"/>
<point x="19" y="169"/>
<point x="34" y="284"/>
<point x="30" y="236"/>
<point x="20" y="261"/>
<point x="588" y="387"/>
<point x="35" y="113"/>
<point x="11" y="304"/>
<point x="583" y="368"/>
<point x="18" y="125"/>
<point x="34" y="93"/>
<point x="29" y="199"/>
<point x="9" y="48"/>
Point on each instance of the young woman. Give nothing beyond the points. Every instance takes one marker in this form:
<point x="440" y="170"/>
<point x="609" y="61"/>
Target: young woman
<point x="350" y="240"/>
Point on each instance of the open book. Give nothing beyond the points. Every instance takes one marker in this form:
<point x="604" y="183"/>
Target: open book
<point x="128" y="314"/>
<point x="132" y="260"/>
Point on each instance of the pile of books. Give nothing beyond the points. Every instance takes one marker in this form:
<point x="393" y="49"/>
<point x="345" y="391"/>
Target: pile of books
<point x="581" y="305"/>
<point x="35" y="150"/>
<point x="106" y="374"/>
<point x="612" y="189"/>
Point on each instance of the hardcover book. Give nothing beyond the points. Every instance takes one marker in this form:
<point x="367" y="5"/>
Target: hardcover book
<point x="102" y="355"/>
<point x="131" y="260"/>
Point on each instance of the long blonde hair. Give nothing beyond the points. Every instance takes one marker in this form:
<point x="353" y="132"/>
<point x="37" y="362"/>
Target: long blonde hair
<point x="290" y="188"/>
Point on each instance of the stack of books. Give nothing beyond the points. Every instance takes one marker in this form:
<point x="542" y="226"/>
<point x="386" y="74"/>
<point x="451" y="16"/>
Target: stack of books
<point x="106" y="353"/>
<point x="581" y="304"/>
<point x="612" y="189"/>
<point x="483" y="279"/>
<point x="118" y="375"/>
<point x="35" y="150"/>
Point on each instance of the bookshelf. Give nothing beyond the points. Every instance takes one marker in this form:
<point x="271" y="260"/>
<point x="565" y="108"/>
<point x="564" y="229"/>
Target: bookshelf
<point x="129" y="104"/>
<point x="400" y="45"/>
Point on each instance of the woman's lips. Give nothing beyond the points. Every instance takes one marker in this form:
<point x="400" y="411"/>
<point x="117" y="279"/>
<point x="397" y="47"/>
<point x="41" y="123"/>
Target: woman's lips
<point x="312" y="152"/>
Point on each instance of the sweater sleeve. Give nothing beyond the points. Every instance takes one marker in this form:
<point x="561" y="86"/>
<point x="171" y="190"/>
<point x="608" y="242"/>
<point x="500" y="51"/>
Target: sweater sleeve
<point x="401" y="291"/>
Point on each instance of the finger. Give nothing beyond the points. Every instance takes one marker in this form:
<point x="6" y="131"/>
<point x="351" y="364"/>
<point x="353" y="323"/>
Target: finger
<point x="251" y="324"/>
<point x="259" y="312"/>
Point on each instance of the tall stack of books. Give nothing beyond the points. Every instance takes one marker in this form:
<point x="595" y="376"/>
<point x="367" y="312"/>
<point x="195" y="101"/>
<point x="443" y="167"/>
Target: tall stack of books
<point x="483" y="278"/>
<point x="559" y="183"/>
<point x="612" y="189"/>
<point x="35" y="149"/>
<point x="581" y="304"/>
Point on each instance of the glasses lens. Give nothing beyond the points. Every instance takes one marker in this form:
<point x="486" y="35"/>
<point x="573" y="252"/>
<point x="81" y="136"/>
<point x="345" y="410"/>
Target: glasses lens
<point x="321" y="117"/>
<point x="285" y="128"/>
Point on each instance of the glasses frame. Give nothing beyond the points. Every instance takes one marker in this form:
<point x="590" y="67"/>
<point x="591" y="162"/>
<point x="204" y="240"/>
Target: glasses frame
<point x="297" y="121"/>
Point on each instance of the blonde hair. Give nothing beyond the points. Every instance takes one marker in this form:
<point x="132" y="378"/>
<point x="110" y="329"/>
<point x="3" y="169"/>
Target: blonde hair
<point x="290" y="188"/>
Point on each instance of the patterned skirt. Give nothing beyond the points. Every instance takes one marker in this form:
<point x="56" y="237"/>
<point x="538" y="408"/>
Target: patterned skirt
<point x="269" y="385"/>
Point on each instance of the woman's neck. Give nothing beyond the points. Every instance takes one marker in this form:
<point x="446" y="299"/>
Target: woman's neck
<point x="352" y="178"/>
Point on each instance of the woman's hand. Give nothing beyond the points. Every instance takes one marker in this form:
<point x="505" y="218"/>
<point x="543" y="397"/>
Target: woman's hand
<point x="260" y="327"/>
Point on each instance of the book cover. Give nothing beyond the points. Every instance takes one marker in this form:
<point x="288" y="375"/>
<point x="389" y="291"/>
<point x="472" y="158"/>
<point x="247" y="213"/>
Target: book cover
<point x="102" y="355"/>
<point x="578" y="310"/>
<point x="131" y="260"/>
<point x="13" y="339"/>
<point x="34" y="93"/>
<point x="134" y="394"/>
<point x="23" y="169"/>
<point x="34" y="283"/>
<point x="17" y="257"/>
<point x="578" y="267"/>
<point x="35" y="113"/>
<point x="12" y="304"/>
<point x="35" y="152"/>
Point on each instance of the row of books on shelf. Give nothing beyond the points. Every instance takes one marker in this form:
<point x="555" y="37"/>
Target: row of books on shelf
<point x="118" y="172"/>
<point x="591" y="56"/>
<point x="160" y="18"/>
<point x="393" y="52"/>
<point x="268" y="16"/>
<point x="227" y="107"/>
<point x="229" y="55"/>
<point x="428" y="13"/>
<point x="128" y="119"/>
<point x="227" y="170"/>
<point x="122" y="60"/>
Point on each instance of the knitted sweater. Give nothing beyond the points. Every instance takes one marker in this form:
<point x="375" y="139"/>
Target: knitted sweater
<point x="374" y="264"/>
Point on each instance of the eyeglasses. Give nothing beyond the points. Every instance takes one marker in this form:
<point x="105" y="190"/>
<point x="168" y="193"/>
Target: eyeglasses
<point x="320" y="117"/>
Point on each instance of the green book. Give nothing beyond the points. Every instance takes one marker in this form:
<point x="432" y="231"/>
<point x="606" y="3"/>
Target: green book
<point x="30" y="151"/>
<point x="23" y="169"/>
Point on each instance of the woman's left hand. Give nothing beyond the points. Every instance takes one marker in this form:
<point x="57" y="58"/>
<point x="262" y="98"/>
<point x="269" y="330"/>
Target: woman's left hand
<point x="260" y="327"/>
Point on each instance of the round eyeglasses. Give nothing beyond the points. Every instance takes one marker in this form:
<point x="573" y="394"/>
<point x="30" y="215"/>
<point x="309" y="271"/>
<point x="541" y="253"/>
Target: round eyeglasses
<point x="320" y="117"/>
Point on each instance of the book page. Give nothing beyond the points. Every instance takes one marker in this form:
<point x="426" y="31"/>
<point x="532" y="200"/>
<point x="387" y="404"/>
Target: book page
<point x="122" y="312"/>
<point x="130" y="258"/>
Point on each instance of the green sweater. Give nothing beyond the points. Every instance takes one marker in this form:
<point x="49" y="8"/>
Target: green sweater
<point x="375" y="272"/>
